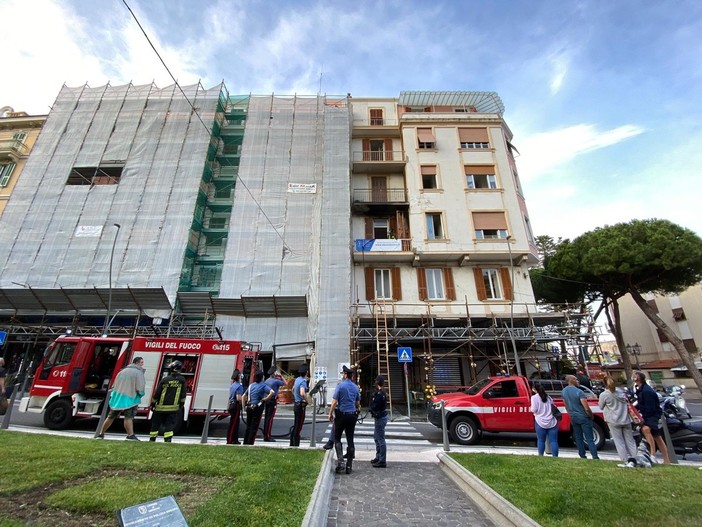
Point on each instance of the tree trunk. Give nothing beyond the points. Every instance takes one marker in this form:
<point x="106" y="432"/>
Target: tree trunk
<point x="670" y="334"/>
<point x="615" y="324"/>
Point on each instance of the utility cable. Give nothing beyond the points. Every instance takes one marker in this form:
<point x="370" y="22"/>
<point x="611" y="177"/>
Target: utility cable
<point x="209" y="131"/>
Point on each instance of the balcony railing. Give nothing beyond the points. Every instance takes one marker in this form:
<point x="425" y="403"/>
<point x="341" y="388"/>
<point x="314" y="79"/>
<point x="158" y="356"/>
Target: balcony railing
<point x="379" y="155"/>
<point x="389" y="195"/>
<point x="383" y="245"/>
<point x="13" y="148"/>
<point x="375" y="121"/>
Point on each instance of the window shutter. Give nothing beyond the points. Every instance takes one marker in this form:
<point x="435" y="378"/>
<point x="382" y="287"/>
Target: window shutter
<point x="370" y="283"/>
<point x="392" y="223"/>
<point x="369" y="229"/>
<point x="448" y="283"/>
<point x="388" y="150"/>
<point x="480" y="169"/>
<point x="473" y="135"/>
<point x="366" y="150"/>
<point x="479" y="284"/>
<point x="489" y="220"/>
<point x="425" y="135"/>
<point x="396" y="284"/>
<point x="428" y="170"/>
<point x="422" y="283"/>
<point x="506" y="283"/>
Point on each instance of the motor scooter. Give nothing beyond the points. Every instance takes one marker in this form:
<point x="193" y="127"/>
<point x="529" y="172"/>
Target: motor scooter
<point x="685" y="432"/>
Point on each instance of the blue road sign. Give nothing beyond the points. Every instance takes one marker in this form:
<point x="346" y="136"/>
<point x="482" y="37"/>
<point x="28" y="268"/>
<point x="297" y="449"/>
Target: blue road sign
<point x="3" y="336"/>
<point x="404" y="354"/>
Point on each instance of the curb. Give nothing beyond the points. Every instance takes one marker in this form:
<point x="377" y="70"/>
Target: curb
<point x="318" y="507"/>
<point x="495" y="507"/>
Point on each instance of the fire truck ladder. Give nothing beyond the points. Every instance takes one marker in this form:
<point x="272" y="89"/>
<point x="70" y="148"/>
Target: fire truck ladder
<point x="382" y="345"/>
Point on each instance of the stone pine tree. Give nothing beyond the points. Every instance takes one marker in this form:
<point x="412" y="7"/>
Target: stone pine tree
<point x="638" y="257"/>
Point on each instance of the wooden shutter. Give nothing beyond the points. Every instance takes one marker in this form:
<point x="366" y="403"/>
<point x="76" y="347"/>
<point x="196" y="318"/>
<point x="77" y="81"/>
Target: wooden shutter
<point x="489" y="221"/>
<point x="396" y="284"/>
<point x="448" y="284"/>
<point x="388" y="149"/>
<point x="392" y="223"/>
<point x="369" y="228"/>
<point x="376" y="116"/>
<point x="479" y="283"/>
<point x="480" y="169"/>
<point x="428" y="170"/>
<point x="370" y="283"/>
<point x="506" y="283"/>
<point x="422" y="283"/>
<point x="401" y="222"/>
<point x="366" y="150"/>
<point x="425" y="135"/>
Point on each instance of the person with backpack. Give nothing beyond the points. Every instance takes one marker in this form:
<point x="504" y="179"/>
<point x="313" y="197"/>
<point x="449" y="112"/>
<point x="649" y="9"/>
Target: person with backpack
<point x="545" y="422"/>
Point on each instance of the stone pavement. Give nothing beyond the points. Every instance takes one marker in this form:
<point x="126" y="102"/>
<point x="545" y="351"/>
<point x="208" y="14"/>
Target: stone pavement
<point x="404" y="494"/>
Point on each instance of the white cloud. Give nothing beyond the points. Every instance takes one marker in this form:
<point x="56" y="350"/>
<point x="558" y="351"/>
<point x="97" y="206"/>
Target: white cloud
<point x="560" y="64"/>
<point x="541" y="153"/>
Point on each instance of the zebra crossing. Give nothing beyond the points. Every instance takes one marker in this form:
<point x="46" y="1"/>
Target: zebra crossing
<point x="398" y="433"/>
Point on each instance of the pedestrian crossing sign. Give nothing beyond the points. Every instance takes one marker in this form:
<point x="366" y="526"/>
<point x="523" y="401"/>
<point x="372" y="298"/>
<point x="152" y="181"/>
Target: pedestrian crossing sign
<point x="404" y="354"/>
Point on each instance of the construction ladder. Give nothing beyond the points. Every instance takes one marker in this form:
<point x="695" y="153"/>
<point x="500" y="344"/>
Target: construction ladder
<point x="382" y="345"/>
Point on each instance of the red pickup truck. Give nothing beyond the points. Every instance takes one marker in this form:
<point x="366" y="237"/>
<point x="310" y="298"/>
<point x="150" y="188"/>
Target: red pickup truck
<point x="502" y="404"/>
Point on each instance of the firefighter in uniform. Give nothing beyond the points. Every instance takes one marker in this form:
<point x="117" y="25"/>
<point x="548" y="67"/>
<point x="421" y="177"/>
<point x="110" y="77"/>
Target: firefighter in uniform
<point x="275" y="383"/>
<point x="167" y="402"/>
<point x="343" y="412"/>
<point x="300" y="399"/>
<point x="253" y="400"/>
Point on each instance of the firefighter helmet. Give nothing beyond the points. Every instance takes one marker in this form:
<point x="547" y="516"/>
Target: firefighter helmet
<point x="176" y="365"/>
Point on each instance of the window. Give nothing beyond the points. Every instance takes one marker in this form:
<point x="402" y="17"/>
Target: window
<point x="493" y="284"/>
<point x="100" y="175"/>
<point x="490" y="225"/>
<point x="473" y="138"/>
<point x="6" y="170"/>
<point x="377" y="149"/>
<point x="480" y="177"/>
<point x="381" y="229"/>
<point x="435" y="230"/>
<point x="504" y="389"/>
<point x="376" y="117"/>
<point x="383" y="284"/>
<point x="425" y="137"/>
<point x="19" y="136"/>
<point x="429" y="179"/>
<point x="436" y="284"/>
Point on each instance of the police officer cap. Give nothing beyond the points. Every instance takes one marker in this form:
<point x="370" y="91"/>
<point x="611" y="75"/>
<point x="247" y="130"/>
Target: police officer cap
<point x="348" y="370"/>
<point x="272" y="370"/>
<point x="380" y="380"/>
<point x="302" y="369"/>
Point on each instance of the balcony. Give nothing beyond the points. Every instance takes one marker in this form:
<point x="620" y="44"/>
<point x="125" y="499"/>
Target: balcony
<point x="13" y="149"/>
<point x="379" y="161"/>
<point x="383" y="250"/>
<point x="379" y="200"/>
<point x="376" y="127"/>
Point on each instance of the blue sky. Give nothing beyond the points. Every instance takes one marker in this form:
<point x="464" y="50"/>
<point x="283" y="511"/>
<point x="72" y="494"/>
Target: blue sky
<point x="604" y="97"/>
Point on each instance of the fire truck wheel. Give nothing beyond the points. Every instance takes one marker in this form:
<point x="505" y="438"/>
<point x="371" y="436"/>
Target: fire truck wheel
<point x="464" y="430"/>
<point x="58" y="415"/>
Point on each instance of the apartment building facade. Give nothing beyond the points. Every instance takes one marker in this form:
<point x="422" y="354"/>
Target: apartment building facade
<point x="18" y="133"/>
<point x="330" y="230"/>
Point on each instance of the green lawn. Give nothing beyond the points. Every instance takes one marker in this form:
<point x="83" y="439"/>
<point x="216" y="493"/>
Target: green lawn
<point x="559" y="492"/>
<point x="49" y="481"/>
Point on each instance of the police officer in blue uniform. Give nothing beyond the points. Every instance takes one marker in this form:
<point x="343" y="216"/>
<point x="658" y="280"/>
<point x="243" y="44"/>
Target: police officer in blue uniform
<point x="275" y="383"/>
<point x="300" y="389"/>
<point x="253" y="400"/>
<point x="343" y="412"/>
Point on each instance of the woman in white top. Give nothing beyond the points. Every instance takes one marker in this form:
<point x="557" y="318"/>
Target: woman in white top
<point x="544" y="422"/>
<point x="615" y="408"/>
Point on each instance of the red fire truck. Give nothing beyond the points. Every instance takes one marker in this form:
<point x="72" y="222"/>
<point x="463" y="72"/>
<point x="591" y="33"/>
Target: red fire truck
<point x="73" y="378"/>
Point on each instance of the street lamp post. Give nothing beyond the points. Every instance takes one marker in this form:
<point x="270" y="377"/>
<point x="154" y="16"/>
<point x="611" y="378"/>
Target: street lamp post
<point x="634" y="350"/>
<point x="511" y="307"/>
<point x="109" y="294"/>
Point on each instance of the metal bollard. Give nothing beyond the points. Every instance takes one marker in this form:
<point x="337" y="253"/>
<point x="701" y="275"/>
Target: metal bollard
<point x="669" y="442"/>
<point x="444" y="428"/>
<point x="10" y="405"/>
<point x="206" y="426"/>
<point x="313" y="439"/>
<point x="103" y="414"/>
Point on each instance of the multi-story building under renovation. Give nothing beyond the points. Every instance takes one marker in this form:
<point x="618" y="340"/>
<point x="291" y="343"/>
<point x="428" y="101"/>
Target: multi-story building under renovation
<point x="328" y="229"/>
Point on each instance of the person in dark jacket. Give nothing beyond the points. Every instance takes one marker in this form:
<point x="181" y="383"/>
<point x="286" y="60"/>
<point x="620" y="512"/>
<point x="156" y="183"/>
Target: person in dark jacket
<point x="300" y="389"/>
<point x="236" y="392"/>
<point x="167" y="402"/>
<point x="343" y="412"/>
<point x="651" y="411"/>
<point x="378" y="411"/>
